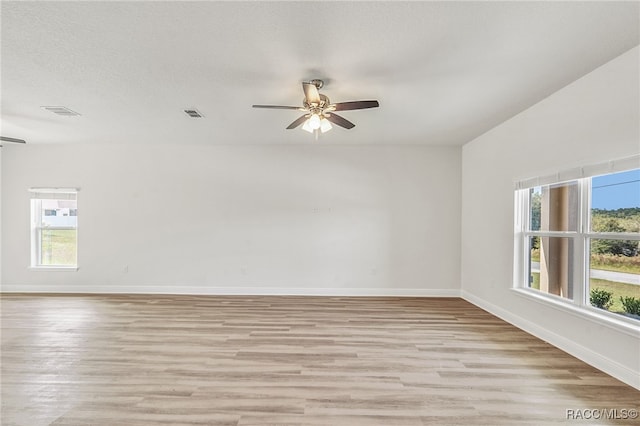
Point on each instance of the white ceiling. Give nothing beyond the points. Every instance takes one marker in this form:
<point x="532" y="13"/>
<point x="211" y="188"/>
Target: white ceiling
<point x="444" y="72"/>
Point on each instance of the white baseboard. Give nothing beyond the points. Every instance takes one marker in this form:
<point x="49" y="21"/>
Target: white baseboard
<point x="236" y="291"/>
<point x="613" y="368"/>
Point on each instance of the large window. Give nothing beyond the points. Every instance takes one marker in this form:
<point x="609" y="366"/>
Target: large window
<point x="577" y="241"/>
<point x="54" y="228"/>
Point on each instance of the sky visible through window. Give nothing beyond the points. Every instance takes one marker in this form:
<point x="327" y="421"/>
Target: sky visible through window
<point x="616" y="191"/>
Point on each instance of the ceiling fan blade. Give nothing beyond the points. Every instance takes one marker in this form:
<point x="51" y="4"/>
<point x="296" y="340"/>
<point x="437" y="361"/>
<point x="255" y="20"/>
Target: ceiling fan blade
<point x="345" y="106"/>
<point x="311" y="93"/>
<point x="342" y="122"/>
<point x="276" y="107"/>
<point x="298" y="122"/>
<point x="14" y="140"/>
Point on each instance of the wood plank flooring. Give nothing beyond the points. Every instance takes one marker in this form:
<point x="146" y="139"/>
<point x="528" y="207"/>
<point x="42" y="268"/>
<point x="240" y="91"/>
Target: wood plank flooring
<point x="201" y="360"/>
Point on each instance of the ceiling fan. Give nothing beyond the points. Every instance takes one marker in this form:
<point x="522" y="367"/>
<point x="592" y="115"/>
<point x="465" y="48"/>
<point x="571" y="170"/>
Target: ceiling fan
<point x="319" y="112"/>
<point x="14" y="140"/>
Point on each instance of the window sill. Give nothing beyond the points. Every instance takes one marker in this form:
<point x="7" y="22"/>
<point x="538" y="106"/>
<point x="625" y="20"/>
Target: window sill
<point x="54" y="268"/>
<point x="614" y="321"/>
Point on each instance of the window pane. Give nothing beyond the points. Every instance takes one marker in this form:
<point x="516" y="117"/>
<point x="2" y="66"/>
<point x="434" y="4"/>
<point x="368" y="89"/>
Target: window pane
<point x="614" y="277"/>
<point x="59" y="213"/>
<point x="58" y="247"/>
<point x="551" y="265"/>
<point x="615" y="202"/>
<point x="554" y="207"/>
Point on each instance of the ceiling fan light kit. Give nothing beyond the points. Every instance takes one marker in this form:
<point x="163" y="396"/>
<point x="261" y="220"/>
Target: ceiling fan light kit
<point x="319" y="111"/>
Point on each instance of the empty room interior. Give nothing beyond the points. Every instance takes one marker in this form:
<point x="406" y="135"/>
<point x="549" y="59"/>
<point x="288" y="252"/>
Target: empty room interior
<point x="320" y="213"/>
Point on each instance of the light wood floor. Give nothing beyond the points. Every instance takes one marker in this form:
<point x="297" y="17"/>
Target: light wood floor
<point x="187" y="360"/>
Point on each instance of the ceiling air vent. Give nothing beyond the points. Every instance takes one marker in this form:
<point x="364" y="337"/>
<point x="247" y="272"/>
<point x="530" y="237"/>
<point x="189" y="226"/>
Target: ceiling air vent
<point x="60" y="110"/>
<point x="193" y="113"/>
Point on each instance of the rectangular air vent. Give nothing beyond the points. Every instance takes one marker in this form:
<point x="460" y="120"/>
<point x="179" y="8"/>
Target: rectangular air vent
<point x="193" y="113"/>
<point x="60" y="110"/>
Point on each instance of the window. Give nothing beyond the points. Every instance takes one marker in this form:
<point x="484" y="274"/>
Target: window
<point x="614" y="255"/>
<point x="54" y="228"/>
<point x="551" y="233"/>
<point x="578" y="240"/>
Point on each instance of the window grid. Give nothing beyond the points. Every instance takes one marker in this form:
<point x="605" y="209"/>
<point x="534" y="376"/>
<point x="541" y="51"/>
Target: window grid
<point x="54" y="221"/>
<point x="582" y="238"/>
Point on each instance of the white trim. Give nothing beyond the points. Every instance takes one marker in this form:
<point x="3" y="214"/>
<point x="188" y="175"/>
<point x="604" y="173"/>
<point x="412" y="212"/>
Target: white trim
<point x="53" y="194"/>
<point x="612" y="235"/>
<point x="57" y="228"/>
<point x="240" y="291"/>
<point x="581" y="171"/>
<point x="544" y="234"/>
<point x="49" y="268"/>
<point x="607" y="365"/>
<point x="54" y="190"/>
<point x="616" y="322"/>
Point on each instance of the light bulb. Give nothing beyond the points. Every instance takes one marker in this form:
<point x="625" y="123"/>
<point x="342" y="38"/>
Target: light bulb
<point x="325" y="125"/>
<point x="314" y="121"/>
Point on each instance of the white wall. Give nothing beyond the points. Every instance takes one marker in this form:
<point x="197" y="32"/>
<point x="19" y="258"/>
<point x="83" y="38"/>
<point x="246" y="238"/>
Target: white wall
<point x="594" y="119"/>
<point x="306" y="219"/>
<point x="0" y="217"/>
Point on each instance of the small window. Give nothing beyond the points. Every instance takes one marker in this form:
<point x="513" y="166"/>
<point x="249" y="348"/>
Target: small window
<point x="54" y="231"/>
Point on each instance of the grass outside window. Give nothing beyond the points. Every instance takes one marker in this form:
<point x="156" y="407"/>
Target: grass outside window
<point x="58" y="247"/>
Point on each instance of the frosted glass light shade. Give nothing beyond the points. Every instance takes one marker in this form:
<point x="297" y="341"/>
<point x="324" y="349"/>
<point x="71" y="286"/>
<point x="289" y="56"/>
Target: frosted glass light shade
<point x="325" y="125"/>
<point x="306" y="127"/>
<point x="314" y="121"/>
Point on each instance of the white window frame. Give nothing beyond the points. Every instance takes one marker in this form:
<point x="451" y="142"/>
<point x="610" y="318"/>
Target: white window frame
<point x="578" y="245"/>
<point x="582" y="238"/>
<point x="37" y="195"/>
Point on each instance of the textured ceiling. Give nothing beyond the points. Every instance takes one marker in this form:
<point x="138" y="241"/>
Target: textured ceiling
<point x="444" y="72"/>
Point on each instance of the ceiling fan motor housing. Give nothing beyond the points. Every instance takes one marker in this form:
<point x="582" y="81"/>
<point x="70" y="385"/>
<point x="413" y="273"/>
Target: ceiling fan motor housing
<point x="313" y="108"/>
